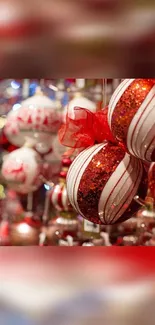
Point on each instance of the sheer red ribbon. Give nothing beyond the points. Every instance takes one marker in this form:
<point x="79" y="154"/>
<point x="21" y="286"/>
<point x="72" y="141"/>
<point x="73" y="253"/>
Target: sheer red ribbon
<point x="85" y="129"/>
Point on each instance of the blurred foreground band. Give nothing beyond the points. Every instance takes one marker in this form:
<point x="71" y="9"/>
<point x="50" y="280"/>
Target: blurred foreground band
<point x="77" y="38"/>
<point x="68" y="286"/>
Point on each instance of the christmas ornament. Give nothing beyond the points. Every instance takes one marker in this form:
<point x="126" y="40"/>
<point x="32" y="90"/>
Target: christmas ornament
<point x="4" y="233"/>
<point x="145" y="220"/>
<point x="66" y="222"/>
<point x="6" y="145"/>
<point x="25" y="233"/>
<point x="78" y="101"/>
<point x="39" y="120"/>
<point x="21" y="170"/>
<point x="12" y="130"/>
<point x="131" y="116"/>
<point x="102" y="182"/>
<point x="59" y="198"/>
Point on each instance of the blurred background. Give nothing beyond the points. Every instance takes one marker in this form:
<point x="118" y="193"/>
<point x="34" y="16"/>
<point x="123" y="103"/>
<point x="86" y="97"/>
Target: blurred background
<point x="92" y="37"/>
<point x="68" y="286"/>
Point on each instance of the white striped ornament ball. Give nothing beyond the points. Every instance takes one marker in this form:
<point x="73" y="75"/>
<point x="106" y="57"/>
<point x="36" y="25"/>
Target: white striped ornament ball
<point x="102" y="182"/>
<point x="131" y="117"/>
<point x="59" y="198"/>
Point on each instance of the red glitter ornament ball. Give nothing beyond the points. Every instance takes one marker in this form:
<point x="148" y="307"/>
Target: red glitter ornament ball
<point x="102" y="182"/>
<point x="131" y="117"/>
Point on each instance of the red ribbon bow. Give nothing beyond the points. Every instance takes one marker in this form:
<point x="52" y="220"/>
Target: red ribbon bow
<point x="85" y="129"/>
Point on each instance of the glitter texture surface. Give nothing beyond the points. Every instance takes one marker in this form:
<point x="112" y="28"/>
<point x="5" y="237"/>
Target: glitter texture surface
<point x="128" y="105"/>
<point x="151" y="181"/>
<point x="95" y="178"/>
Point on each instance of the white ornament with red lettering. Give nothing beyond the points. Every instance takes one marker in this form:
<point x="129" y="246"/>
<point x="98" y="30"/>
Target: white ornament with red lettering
<point x="38" y="119"/>
<point x="12" y="130"/>
<point x="21" y="170"/>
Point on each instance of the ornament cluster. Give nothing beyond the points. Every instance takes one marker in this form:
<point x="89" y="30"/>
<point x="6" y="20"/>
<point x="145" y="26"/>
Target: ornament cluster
<point x="108" y="169"/>
<point x="32" y="127"/>
<point x="106" y="175"/>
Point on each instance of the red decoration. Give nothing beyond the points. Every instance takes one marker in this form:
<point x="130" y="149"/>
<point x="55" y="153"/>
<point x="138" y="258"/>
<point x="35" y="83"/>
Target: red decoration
<point x="66" y="162"/>
<point x="102" y="182"/>
<point x="85" y="129"/>
<point x="131" y="116"/>
<point x="4" y="233"/>
<point x="6" y="144"/>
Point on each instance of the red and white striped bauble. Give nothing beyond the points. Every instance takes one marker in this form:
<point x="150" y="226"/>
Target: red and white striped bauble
<point x="59" y="198"/>
<point x="132" y="116"/>
<point x="39" y="119"/>
<point x="102" y="182"/>
<point x="21" y="170"/>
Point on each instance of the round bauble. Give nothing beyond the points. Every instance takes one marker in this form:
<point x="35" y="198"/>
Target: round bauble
<point x="59" y="198"/>
<point x="21" y="170"/>
<point x="78" y="101"/>
<point x="39" y="120"/>
<point x="23" y="234"/>
<point x="131" y="116"/>
<point x="102" y="182"/>
<point x="12" y="130"/>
